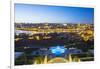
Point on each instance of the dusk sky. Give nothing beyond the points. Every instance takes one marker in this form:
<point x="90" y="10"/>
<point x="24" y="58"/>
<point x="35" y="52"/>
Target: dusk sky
<point x="31" y="13"/>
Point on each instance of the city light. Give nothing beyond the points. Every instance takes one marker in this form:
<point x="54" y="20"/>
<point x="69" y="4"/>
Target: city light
<point x="53" y="34"/>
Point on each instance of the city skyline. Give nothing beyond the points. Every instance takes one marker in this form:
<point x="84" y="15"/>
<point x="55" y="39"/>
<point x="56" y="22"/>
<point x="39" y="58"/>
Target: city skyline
<point x="30" y="13"/>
